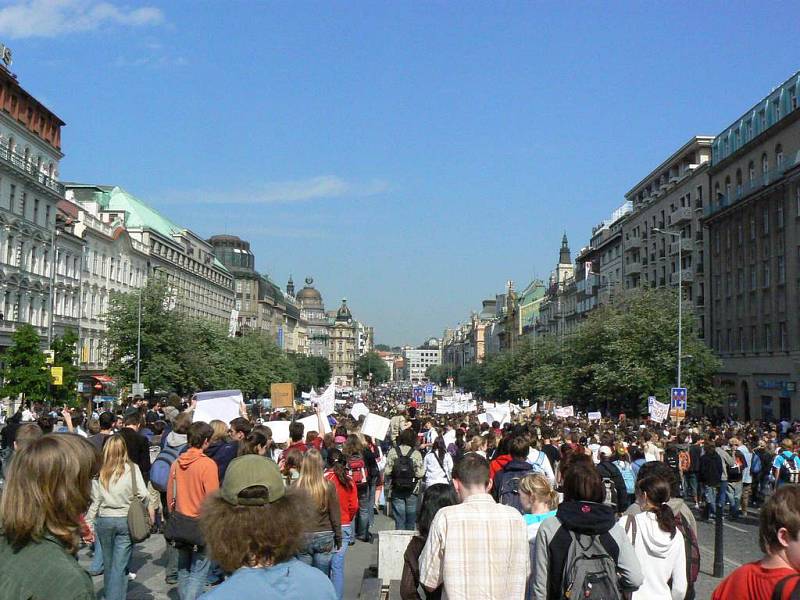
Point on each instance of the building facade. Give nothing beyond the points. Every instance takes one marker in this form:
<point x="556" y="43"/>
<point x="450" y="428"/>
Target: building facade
<point x="312" y="313"/>
<point x="30" y="151"/>
<point x="343" y="349"/>
<point x="557" y="309"/>
<point x="670" y="199"/>
<point x="753" y="258"/>
<point x="417" y="360"/>
<point x="200" y="284"/>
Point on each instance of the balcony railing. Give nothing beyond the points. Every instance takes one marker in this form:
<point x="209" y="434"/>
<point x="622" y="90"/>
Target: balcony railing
<point x="686" y="277"/>
<point x="18" y="163"/>
<point x="687" y="245"/>
<point x="760" y="182"/>
<point x="634" y="267"/>
<point x="681" y="215"/>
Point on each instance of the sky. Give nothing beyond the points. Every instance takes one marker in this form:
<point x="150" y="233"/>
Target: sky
<point x="409" y="156"/>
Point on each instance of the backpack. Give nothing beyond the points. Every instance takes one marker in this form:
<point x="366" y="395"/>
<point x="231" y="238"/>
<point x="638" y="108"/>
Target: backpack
<point x="692" y="551"/>
<point x="672" y="459"/>
<point x="755" y="466"/>
<point x="357" y="469"/>
<point x="711" y="468"/>
<point x="403" y="479"/>
<point x="509" y="493"/>
<point x="789" y="473"/>
<point x="777" y="592"/>
<point x="735" y="470"/>
<point x="684" y="461"/>
<point x="590" y="573"/>
<point x="627" y="475"/>
<point x="159" y="470"/>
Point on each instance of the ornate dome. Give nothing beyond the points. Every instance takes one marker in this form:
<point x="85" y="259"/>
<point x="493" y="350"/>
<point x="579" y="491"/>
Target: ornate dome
<point x="344" y="314"/>
<point x="309" y="297"/>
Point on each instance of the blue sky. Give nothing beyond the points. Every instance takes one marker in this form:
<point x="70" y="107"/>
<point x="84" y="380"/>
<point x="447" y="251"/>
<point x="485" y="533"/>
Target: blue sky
<point x="409" y="156"/>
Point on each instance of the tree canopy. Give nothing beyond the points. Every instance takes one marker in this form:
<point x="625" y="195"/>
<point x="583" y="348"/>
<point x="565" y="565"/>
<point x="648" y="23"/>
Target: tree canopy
<point x="371" y="366"/>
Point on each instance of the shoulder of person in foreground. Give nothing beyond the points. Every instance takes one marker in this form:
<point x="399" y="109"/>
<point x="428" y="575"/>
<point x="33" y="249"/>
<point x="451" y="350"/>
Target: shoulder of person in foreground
<point x="627" y="564"/>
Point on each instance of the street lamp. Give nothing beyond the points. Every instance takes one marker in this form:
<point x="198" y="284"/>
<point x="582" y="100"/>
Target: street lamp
<point x="677" y="234"/>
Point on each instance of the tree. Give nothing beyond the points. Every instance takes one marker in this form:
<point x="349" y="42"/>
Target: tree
<point x="25" y="370"/>
<point x="371" y="366"/>
<point x="312" y="371"/>
<point x="64" y="348"/>
<point x="382" y="348"/>
<point x="470" y="379"/>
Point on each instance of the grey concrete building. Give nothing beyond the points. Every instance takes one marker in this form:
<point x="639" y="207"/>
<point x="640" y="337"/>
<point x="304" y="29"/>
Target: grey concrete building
<point x="753" y="262"/>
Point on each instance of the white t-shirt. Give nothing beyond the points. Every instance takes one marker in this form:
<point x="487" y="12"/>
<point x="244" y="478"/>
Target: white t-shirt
<point x="433" y="470"/>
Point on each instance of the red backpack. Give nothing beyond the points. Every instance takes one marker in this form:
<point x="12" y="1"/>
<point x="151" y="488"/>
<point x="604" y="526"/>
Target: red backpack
<point x="357" y="469"/>
<point x="692" y="553"/>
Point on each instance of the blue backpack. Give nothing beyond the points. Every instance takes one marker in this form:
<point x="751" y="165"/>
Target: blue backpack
<point x="159" y="470"/>
<point x="627" y="475"/>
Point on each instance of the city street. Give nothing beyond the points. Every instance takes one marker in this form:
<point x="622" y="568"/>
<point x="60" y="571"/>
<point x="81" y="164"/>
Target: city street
<point x="741" y="546"/>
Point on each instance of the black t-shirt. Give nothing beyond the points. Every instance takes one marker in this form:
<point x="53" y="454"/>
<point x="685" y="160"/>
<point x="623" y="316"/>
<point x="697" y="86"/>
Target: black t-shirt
<point x="138" y="450"/>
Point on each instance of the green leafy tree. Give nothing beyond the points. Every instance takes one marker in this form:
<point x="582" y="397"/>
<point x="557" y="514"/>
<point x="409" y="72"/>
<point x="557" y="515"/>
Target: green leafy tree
<point x="312" y="371"/>
<point x="64" y="349"/>
<point x="471" y="379"/>
<point x="371" y="366"/>
<point x="25" y="370"/>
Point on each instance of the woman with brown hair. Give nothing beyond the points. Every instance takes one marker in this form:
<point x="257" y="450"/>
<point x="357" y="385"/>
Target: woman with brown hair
<point x="325" y="531"/>
<point x="48" y="488"/>
<point x="254" y="526"/>
<point x="112" y="493"/>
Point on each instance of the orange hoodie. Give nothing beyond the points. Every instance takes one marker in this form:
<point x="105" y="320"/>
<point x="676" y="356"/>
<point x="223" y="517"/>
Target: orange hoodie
<point x="197" y="476"/>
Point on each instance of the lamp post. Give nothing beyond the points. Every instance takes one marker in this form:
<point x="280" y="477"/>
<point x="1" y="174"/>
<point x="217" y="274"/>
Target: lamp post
<point x="676" y="234"/>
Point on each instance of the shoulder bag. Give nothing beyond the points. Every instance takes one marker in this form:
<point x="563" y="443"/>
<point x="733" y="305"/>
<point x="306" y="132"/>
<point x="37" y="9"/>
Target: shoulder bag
<point x="182" y="530"/>
<point x="138" y="519"/>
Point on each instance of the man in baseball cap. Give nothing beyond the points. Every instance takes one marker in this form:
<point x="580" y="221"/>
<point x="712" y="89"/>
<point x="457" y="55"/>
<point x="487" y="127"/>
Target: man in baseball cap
<point x="253" y="527"/>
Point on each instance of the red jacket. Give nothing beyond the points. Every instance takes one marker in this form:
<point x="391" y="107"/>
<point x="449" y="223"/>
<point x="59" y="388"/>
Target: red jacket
<point x="348" y="499"/>
<point x="498" y="464"/>
<point x="301" y="445"/>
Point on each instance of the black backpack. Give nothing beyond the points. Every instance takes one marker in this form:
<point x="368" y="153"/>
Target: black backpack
<point x="711" y="468"/>
<point x="403" y="473"/>
<point x="509" y="493"/>
<point x="672" y="459"/>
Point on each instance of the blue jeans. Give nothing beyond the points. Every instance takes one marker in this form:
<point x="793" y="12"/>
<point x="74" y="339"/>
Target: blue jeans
<point x="337" y="561"/>
<point x="366" y="513"/>
<point x="96" y="568"/>
<point x="690" y="487"/>
<point x="192" y="572"/>
<point x="715" y="497"/>
<point x="116" y="541"/>
<point x="404" y="510"/>
<point x="318" y="551"/>
<point x="734" y="496"/>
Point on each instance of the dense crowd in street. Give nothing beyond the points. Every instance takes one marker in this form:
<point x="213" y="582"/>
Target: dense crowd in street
<point x="531" y="507"/>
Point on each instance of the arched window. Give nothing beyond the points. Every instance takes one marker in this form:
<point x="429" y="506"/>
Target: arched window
<point x="764" y="166"/>
<point x="751" y="168"/>
<point x="779" y="156"/>
<point x="717" y="194"/>
<point x="728" y="187"/>
<point x="738" y="183"/>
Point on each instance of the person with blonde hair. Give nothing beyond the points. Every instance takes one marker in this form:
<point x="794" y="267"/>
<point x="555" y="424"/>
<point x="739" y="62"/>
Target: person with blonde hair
<point x="112" y="493"/>
<point x="324" y="535"/>
<point x="48" y="488"/>
<point x="220" y="449"/>
<point x="539" y="501"/>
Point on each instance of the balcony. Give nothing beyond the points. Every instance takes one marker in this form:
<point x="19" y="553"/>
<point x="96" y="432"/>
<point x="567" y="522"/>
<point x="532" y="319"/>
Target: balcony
<point x="686" y="245"/>
<point x="18" y="163"/>
<point x="681" y="215"/>
<point x="760" y="182"/>
<point x="633" y="242"/>
<point x="686" y="277"/>
<point x="633" y="268"/>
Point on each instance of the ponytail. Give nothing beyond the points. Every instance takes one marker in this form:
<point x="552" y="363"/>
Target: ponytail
<point x="657" y="491"/>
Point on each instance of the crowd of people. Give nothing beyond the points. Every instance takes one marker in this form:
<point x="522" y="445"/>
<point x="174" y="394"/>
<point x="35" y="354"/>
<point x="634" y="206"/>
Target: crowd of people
<point x="532" y="507"/>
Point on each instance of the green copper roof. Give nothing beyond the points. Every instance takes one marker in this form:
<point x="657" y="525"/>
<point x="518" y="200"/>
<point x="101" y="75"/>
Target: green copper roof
<point x="139" y="215"/>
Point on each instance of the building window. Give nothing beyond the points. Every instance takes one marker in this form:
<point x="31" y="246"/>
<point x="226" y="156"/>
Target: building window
<point x="767" y="337"/>
<point x="779" y="156"/>
<point x="781" y="270"/>
<point x="779" y="218"/>
<point x="764" y="166"/>
<point x="752" y="228"/>
<point x="765" y="221"/>
<point x="740" y="232"/>
<point x="792" y="97"/>
<point x="751" y="170"/>
<point x="752" y="278"/>
<point x="782" y="334"/>
<point x="766" y="273"/>
<point x="741" y="340"/>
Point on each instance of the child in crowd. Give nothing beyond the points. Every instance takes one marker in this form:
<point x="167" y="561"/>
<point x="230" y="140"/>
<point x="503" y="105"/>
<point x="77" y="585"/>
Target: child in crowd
<point x="776" y="574"/>
<point x="538" y="499"/>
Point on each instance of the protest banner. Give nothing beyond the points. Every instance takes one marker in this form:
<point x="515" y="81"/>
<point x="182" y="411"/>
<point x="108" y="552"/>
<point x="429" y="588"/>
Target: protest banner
<point x="564" y="411"/>
<point x="375" y="426"/>
<point x="282" y="395"/>
<point x="326" y="400"/>
<point x="280" y="431"/>
<point x="594" y="416"/>
<point x="222" y="405"/>
<point x="311" y="423"/>
<point x="659" y="411"/>
<point x="359" y="408"/>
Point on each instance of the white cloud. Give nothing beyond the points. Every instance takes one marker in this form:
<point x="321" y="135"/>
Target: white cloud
<point x="288" y="192"/>
<point x="52" y="18"/>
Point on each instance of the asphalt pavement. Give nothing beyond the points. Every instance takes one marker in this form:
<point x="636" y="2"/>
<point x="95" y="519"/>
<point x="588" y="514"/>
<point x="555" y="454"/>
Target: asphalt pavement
<point x="740" y="546"/>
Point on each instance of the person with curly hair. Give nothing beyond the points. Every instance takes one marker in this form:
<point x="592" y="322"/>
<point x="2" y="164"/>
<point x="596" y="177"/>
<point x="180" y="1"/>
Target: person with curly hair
<point x="253" y="527"/>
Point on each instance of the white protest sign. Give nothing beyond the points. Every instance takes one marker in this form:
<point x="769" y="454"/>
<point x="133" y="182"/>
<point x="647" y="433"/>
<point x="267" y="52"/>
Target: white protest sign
<point x="650" y="400"/>
<point x="222" y="405"/>
<point x="326" y="400"/>
<point x="449" y="438"/>
<point x="484" y="418"/>
<point x="375" y="426"/>
<point x="564" y="411"/>
<point x="595" y="416"/>
<point x="359" y="408"/>
<point x="311" y="423"/>
<point x="444" y="406"/>
<point x="280" y="431"/>
<point x="500" y="415"/>
<point x="535" y="407"/>
<point x="659" y="411"/>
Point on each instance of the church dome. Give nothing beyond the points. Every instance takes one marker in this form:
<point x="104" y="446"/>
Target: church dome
<point x="309" y="297"/>
<point x="344" y="314"/>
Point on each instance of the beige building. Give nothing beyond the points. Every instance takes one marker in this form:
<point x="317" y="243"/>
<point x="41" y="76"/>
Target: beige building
<point x="343" y="347"/>
<point x="670" y="198"/>
<point x="557" y="312"/>
<point x="753" y="262"/>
